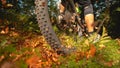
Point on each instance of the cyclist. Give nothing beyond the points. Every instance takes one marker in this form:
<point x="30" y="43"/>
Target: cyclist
<point x="88" y="14"/>
<point x="89" y="18"/>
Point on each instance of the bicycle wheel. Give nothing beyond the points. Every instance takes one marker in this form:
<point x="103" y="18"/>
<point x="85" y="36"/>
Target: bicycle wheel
<point x="41" y="10"/>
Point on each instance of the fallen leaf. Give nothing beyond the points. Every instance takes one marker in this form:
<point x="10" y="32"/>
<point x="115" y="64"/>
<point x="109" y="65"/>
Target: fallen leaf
<point x="91" y="52"/>
<point x="2" y="57"/>
<point x="109" y="64"/>
<point x="2" y="32"/>
<point x="34" y="62"/>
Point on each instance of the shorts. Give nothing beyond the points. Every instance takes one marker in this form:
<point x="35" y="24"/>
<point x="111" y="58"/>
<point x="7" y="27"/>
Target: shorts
<point x="87" y="6"/>
<point x="88" y="9"/>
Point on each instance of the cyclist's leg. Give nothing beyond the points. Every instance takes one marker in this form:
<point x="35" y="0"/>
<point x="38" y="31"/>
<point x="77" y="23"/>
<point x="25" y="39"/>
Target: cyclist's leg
<point x="89" y="16"/>
<point x="89" y="20"/>
<point x="88" y="13"/>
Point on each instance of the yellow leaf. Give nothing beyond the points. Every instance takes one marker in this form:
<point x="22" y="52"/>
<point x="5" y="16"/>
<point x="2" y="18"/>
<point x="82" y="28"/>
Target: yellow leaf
<point x="104" y="41"/>
<point x="101" y="46"/>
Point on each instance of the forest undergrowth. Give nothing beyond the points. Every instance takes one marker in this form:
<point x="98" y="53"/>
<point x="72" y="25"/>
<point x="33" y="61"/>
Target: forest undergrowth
<point x="30" y="50"/>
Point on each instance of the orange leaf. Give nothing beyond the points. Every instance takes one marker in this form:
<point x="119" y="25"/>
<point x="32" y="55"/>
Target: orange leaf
<point x="91" y="52"/>
<point x="109" y="64"/>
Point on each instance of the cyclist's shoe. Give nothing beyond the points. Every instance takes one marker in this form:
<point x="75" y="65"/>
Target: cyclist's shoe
<point x="97" y="38"/>
<point x="94" y="37"/>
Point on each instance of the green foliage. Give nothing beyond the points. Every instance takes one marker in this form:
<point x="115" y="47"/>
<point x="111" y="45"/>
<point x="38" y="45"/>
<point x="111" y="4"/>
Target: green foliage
<point x="71" y="62"/>
<point x="7" y="49"/>
<point x="111" y="51"/>
<point x="52" y="8"/>
<point x="107" y="49"/>
<point x="21" y="64"/>
<point x="20" y="17"/>
<point x="118" y="9"/>
<point x="104" y="38"/>
<point x="3" y="42"/>
<point x="37" y="51"/>
<point x="91" y="63"/>
<point x="68" y="62"/>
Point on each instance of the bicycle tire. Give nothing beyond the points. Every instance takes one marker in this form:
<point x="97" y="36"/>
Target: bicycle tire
<point x="41" y="10"/>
